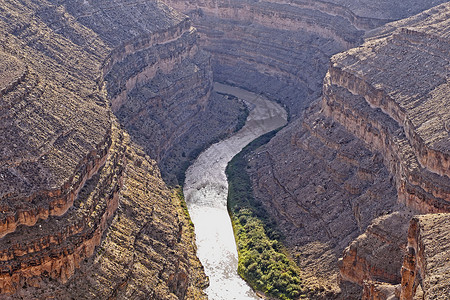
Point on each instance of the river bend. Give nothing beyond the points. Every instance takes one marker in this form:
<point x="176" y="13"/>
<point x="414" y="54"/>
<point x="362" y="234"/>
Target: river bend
<point x="206" y="190"/>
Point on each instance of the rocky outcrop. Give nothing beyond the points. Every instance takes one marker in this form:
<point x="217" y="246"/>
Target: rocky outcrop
<point x="272" y="47"/>
<point x="374" y="290"/>
<point x="158" y="80"/>
<point x="56" y="246"/>
<point x="426" y="262"/>
<point x="281" y="48"/>
<point x="323" y="187"/>
<point x="399" y="119"/>
<point x="400" y="114"/>
<point x="73" y="191"/>
<point x="377" y="254"/>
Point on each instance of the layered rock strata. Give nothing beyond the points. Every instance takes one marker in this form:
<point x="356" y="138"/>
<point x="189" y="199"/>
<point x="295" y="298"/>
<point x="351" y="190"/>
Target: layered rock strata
<point x="376" y="255"/>
<point x="402" y="114"/>
<point x="277" y="48"/>
<point x="159" y="81"/>
<point x="390" y="95"/>
<point x="323" y="186"/>
<point x="63" y="187"/>
<point x="281" y="48"/>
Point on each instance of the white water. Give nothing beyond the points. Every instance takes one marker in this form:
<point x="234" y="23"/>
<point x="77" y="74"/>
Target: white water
<point x="206" y="190"/>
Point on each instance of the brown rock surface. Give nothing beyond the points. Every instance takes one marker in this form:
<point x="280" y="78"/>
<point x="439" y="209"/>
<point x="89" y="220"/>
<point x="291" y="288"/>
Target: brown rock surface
<point x="281" y="48"/>
<point x="159" y="81"/>
<point x="63" y="156"/>
<point x="55" y="126"/>
<point x="380" y="291"/>
<point x="389" y="95"/>
<point x="427" y="262"/>
<point x="323" y="187"/>
<point x="377" y="254"/>
<point x="401" y="114"/>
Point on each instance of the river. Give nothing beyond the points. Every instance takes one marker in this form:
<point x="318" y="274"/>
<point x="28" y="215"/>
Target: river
<point x="206" y="190"/>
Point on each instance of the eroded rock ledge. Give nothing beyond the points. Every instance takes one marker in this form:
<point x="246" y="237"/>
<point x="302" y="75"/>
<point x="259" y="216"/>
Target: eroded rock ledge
<point x="392" y="92"/>
<point x="64" y="156"/>
<point x="390" y="95"/>
<point x="426" y="263"/>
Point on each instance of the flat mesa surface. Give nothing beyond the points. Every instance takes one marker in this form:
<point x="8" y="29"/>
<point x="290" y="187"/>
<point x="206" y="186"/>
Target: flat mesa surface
<point x="206" y="190"/>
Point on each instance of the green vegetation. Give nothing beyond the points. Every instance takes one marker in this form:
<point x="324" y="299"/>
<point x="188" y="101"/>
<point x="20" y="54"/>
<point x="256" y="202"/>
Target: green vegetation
<point x="263" y="262"/>
<point x="180" y="196"/>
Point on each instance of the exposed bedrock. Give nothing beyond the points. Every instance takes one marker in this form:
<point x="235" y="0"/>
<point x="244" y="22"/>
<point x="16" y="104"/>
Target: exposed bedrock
<point x="159" y="81"/>
<point x="426" y="263"/>
<point x="377" y="254"/>
<point x="323" y="186"/>
<point x="392" y="92"/>
<point x="281" y="48"/>
<point x="277" y="48"/>
<point x="64" y="158"/>
<point x="388" y="99"/>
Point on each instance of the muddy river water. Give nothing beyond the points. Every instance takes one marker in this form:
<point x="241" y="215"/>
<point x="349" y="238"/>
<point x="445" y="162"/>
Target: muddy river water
<point x="206" y="189"/>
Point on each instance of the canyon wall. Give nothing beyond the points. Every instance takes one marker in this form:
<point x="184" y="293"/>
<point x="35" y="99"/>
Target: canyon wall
<point x="84" y="213"/>
<point x="282" y="48"/>
<point x="272" y="47"/>
<point x="158" y="80"/>
<point x="426" y="263"/>
<point x="370" y="153"/>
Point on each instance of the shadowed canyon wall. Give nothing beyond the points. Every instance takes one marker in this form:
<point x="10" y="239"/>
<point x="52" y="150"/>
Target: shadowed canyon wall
<point x="282" y="48"/>
<point x="374" y="145"/>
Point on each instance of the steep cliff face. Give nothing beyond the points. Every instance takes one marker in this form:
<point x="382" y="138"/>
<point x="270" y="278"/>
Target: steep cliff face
<point x="159" y="81"/>
<point x="272" y="47"/>
<point x="404" y="112"/>
<point x="69" y="178"/>
<point x="281" y="48"/>
<point x="323" y="186"/>
<point x="426" y="263"/>
<point x="391" y="96"/>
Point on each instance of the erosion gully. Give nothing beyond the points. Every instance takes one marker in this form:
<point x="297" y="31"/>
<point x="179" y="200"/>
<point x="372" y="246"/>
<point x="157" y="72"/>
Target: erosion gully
<point x="206" y="190"/>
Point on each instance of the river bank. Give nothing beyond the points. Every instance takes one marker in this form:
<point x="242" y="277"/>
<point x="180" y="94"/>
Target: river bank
<point x="206" y="190"/>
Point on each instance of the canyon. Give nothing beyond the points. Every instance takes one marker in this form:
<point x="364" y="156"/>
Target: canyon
<point x="104" y="104"/>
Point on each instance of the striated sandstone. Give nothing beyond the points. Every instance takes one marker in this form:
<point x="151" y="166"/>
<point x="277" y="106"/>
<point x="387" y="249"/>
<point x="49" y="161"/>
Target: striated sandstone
<point x="380" y="291"/>
<point x="390" y="95"/>
<point x="377" y="254"/>
<point x="158" y="80"/>
<point x="323" y="187"/>
<point x="56" y="246"/>
<point x="272" y="47"/>
<point x="146" y="251"/>
<point x="55" y="130"/>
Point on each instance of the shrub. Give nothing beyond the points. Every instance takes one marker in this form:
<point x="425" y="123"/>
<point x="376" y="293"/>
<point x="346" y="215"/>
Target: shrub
<point x="262" y="259"/>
